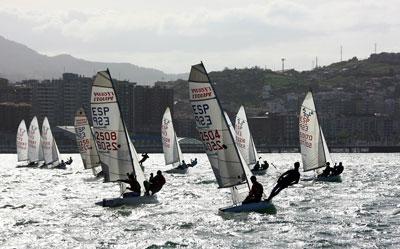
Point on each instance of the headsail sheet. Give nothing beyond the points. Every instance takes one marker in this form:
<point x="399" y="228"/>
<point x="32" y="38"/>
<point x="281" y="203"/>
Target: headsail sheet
<point x="22" y="142"/>
<point x="213" y="129"/>
<point x="84" y="139"/>
<point x="244" y="140"/>
<point x="50" y="149"/>
<point x="109" y="130"/>
<point x="35" y="152"/>
<point x="311" y="145"/>
<point x="171" y="148"/>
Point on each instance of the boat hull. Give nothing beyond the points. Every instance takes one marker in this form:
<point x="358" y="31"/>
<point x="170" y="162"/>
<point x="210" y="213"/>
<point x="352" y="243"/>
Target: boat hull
<point x="260" y="207"/>
<point x="128" y="201"/>
<point x="259" y="172"/>
<point x="177" y="171"/>
<point x="329" y="179"/>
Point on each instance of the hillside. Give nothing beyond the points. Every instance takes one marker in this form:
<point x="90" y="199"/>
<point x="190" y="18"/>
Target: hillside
<point x="20" y="62"/>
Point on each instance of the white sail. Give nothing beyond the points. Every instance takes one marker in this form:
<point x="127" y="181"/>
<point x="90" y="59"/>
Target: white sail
<point x="22" y="142"/>
<point x="213" y="129"/>
<point x="311" y="144"/>
<point x="136" y="165"/>
<point x="244" y="140"/>
<point x="171" y="148"/>
<point x="35" y="153"/>
<point x="113" y="143"/>
<point x="328" y="157"/>
<point x="84" y="138"/>
<point x="50" y="149"/>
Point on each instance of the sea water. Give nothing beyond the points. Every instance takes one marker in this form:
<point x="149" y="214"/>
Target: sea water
<point x="42" y="208"/>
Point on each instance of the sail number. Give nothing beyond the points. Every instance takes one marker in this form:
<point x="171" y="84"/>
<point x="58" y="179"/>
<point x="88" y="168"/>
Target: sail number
<point x="106" y="140"/>
<point x="99" y="116"/>
<point x="200" y="115"/>
<point x="211" y="140"/>
<point x="305" y="139"/>
<point x="84" y="145"/>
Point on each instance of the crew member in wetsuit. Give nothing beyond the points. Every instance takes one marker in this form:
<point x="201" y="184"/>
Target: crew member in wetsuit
<point x="144" y="158"/>
<point x="156" y="184"/>
<point x="183" y="165"/>
<point x="256" y="166"/>
<point x="69" y="161"/>
<point x="327" y="171"/>
<point x="337" y="170"/>
<point x="287" y="179"/>
<point x="265" y="165"/>
<point x="192" y="163"/>
<point x="134" y="185"/>
<point x="255" y="193"/>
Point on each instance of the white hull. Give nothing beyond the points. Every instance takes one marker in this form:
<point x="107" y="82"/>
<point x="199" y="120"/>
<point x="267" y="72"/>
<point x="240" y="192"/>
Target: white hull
<point x="129" y="201"/>
<point x="259" y="172"/>
<point x="260" y="207"/>
<point x="177" y="171"/>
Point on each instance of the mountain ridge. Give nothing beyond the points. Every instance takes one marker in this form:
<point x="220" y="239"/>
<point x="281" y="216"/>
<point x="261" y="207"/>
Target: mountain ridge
<point x="21" y="63"/>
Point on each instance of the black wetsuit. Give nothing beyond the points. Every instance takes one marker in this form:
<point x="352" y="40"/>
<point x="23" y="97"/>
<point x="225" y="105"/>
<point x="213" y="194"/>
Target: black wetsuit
<point x="287" y="179"/>
<point x="255" y="193"/>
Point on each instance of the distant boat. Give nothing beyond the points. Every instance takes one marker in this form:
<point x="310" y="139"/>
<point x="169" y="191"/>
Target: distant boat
<point x="22" y="143"/>
<point x="313" y="147"/>
<point x="50" y="148"/>
<point x="217" y="134"/>
<point x="86" y="145"/>
<point x="245" y="142"/>
<point x="35" y="150"/>
<point x="116" y="151"/>
<point x="172" y="150"/>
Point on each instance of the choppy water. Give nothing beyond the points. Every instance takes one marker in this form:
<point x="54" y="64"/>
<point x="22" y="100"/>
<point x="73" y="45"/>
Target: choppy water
<point x="55" y="209"/>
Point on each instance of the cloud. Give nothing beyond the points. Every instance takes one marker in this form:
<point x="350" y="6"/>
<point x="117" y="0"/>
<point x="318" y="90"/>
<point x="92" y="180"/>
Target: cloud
<point x="230" y="32"/>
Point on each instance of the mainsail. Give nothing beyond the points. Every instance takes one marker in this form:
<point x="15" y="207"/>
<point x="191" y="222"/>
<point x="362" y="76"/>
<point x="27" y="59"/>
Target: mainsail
<point x="84" y="138"/>
<point x="171" y="148"/>
<point x="312" y="142"/>
<point x="215" y="131"/>
<point x="50" y="148"/>
<point x="22" y="142"/>
<point x="35" y="152"/>
<point x="244" y="140"/>
<point x="114" y="146"/>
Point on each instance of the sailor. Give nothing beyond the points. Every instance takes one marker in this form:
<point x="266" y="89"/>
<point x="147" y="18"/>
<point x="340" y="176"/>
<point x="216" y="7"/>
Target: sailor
<point x="255" y="193"/>
<point x="156" y="184"/>
<point x="265" y="165"/>
<point x="338" y="169"/>
<point x="327" y="171"/>
<point x="69" y="161"/>
<point x="134" y="185"/>
<point x="256" y="166"/>
<point x="144" y="158"/>
<point x="287" y="179"/>
<point x="151" y="177"/>
<point x="192" y="162"/>
<point x="183" y="165"/>
<point x="62" y="165"/>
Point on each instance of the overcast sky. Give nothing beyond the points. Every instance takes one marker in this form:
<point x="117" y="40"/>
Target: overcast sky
<point x="171" y="35"/>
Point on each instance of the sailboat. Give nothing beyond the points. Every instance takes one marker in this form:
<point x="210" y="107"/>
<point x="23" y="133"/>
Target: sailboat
<point x="117" y="154"/>
<point x="172" y="150"/>
<point x="86" y="145"/>
<point x="35" y="150"/>
<point x="313" y="147"/>
<point x="22" y="143"/>
<point x="244" y="141"/>
<point x="50" y="148"/>
<point x="217" y="135"/>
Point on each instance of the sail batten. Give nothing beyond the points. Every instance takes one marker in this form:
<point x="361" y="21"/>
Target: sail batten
<point x="312" y="142"/>
<point x="214" y="131"/>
